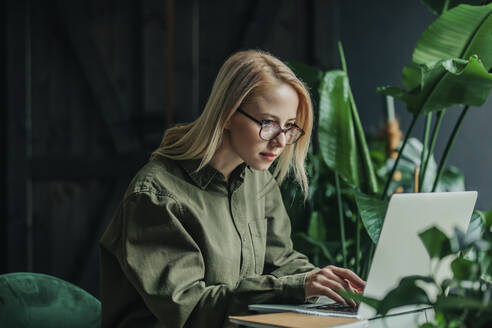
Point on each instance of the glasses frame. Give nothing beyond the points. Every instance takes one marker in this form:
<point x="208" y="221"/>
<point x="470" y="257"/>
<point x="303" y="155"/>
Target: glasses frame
<point x="263" y="124"/>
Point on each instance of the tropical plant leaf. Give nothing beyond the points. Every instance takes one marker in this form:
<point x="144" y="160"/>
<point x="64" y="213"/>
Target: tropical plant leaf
<point x="406" y="293"/>
<point x="452" y="179"/>
<point x="409" y="160"/>
<point x="436" y="243"/>
<point x="443" y="84"/>
<point x="337" y="139"/>
<point x="461" y="32"/>
<point x="487" y="217"/>
<point x="473" y="236"/>
<point x="437" y="6"/>
<point x="372" y="211"/>
<point x="359" y="298"/>
<point x="464" y="269"/>
<point x="370" y="175"/>
<point x="316" y="229"/>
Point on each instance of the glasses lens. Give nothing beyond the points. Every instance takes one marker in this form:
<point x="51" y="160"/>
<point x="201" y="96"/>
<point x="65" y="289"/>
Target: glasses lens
<point x="269" y="131"/>
<point x="292" y="135"/>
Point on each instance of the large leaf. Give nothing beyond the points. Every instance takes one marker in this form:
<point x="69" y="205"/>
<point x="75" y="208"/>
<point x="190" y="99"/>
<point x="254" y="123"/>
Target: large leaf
<point x="460" y="33"/>
<point x="407" y="293"/>
<point x="337" y="139"/>
<point x="473" y="236"/>
<point x="437" y="6"/>
<point x="464" y="269"/>
<point x="436" y="243"/>
<point x="452" y="179"/>
<point x="409" y="160"/>
<point x="359" y="298"/>
<point x="316" y="229"/>
<point x="372" y="211"/>
<point x="487" y="217"/>
<point x="443" y="84"/>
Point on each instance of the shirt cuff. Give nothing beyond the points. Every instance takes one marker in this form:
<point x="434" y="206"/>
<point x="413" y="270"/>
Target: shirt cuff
<point x="293" y="290"/>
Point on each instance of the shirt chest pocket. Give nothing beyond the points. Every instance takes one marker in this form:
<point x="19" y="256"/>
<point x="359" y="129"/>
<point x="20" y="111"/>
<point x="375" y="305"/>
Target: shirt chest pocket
<point x="257" y="229"/>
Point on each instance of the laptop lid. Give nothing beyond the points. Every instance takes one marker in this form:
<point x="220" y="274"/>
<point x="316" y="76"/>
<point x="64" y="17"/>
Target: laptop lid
<point x="400" y="252"/>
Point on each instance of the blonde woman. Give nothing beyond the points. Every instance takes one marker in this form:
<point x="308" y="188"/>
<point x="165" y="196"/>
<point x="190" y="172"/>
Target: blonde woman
<point x="202" y="231"/>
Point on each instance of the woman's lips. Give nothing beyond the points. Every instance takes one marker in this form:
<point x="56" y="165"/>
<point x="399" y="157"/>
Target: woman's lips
<point x="269" y="156"/>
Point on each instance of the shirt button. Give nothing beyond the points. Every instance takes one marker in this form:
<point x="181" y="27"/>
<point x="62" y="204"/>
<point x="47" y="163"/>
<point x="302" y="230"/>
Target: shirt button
<point x="244" y="239"/>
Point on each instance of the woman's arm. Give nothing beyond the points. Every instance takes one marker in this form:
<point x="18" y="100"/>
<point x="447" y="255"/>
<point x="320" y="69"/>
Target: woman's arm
<point x="282" y="260"/>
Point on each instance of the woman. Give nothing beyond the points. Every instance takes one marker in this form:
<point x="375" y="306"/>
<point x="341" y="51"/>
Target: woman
<point x="202" y="231"/>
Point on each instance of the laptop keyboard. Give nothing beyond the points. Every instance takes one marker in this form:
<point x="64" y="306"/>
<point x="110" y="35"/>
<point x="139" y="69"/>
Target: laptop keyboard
<point x="337" y="307"/>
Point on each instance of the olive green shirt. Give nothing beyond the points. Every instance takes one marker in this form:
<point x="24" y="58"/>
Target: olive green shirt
<point x="187" y="248"/>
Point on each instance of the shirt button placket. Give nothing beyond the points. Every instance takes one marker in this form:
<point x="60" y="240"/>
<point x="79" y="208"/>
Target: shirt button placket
<point x="242" y="229"/>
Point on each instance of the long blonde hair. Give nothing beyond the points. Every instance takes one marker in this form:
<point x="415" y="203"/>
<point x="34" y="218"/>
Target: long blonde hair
<point x="241" y="77"/>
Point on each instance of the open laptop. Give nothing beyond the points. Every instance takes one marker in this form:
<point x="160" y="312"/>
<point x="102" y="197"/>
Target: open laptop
<point x="399" y="251"/>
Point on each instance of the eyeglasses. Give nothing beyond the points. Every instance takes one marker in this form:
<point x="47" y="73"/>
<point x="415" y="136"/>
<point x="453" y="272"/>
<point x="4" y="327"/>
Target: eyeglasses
<point x="270" y="130"/>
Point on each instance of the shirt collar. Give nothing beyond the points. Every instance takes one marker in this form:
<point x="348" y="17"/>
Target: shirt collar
<point x="207" y="174"/>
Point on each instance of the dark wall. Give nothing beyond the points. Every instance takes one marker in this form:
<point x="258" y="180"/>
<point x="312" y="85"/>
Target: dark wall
<point x="379" y="38"/>
<point x="88" y="88"/>
<point x="3" y="139"/>
<point x="91" y="87"/>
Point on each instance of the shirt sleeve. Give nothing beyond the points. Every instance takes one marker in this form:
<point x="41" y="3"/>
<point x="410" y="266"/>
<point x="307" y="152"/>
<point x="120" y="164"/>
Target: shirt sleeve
<point x="281" y="260"/>
<point x="165" y="265"/>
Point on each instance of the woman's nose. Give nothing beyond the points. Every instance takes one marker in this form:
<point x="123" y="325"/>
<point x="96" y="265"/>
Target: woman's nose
<point x="280" y="140"/>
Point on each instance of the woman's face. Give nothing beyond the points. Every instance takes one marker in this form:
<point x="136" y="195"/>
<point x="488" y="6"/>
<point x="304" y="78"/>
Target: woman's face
<point x="277" y="103"/>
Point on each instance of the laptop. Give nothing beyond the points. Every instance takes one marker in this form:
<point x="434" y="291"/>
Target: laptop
<point x="399" y="251"/>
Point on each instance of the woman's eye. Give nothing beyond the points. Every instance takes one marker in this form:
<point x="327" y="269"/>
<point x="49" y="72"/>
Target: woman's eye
<point x="266" y="122"/>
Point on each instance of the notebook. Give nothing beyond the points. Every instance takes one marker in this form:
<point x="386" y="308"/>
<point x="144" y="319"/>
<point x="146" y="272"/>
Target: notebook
<point x="399" y="251"/>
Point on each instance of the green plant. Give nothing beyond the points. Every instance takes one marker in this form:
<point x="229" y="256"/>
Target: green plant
<point x="469" y="301"/>
<point x="351" y="178"/>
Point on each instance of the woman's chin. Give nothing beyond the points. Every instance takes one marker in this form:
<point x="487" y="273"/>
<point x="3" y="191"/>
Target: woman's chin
<point x="260" y="166"/>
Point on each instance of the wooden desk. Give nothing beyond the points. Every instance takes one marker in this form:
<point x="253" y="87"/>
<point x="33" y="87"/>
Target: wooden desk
<point x="294" y="320"/>
<point x="297" y="320"/>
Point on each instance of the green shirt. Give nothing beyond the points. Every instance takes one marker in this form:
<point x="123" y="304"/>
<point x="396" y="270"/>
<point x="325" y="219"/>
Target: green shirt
<point x="188" y="249"/>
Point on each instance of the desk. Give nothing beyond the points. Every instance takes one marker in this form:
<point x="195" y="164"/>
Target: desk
<point x="297" y="320"/>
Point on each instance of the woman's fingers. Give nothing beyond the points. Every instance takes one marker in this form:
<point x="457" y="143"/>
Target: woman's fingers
<point x="328" y="284"/>
<point x="330" y="275"/>
<point x="332" y="284"/>
<point x="351" y="289"/>
<point x="326" y="291"/>
<point x="354" y="279"/>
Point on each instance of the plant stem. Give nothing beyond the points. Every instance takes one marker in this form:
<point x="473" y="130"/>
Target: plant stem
<point x="450" y="144"/>
<point x="367" y="163"/>
<point x="340" y="217"/>
<point x="407" y="136"/>
<point x="435" y="132"/>
<point x="428" y="121"/>
<point x="445" y="7"/>
<point x="357" y="245"/>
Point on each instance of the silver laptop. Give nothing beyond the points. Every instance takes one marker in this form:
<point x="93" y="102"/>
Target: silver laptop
<point x="399" y="251"/>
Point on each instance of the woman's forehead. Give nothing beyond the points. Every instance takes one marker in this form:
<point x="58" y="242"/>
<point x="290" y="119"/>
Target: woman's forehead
<point x="280" y="101"/>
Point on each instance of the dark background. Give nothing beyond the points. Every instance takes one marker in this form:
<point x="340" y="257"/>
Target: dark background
<point x="88" y="88"/>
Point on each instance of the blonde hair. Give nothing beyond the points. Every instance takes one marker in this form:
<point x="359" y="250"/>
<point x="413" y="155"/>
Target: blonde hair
<point x="240" y="78"/>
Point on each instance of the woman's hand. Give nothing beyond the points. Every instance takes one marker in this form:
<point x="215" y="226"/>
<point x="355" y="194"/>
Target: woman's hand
<point x="330" y="279"/>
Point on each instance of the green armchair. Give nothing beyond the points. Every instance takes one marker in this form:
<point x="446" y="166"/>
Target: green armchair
<point x="38" y="301"/>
